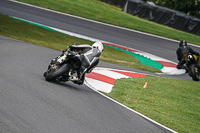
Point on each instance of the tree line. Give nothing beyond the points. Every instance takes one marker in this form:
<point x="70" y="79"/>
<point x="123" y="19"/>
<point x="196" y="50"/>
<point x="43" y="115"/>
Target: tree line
<point x="189" y="7"/>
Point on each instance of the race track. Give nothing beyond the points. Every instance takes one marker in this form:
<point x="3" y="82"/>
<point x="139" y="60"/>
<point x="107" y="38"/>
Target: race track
<point x="29" y="104"/>
<point x="157" y="46"/>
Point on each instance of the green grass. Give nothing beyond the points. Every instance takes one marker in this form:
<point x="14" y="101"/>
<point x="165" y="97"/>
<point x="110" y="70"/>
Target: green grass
<point x="171" y="102"/>
<point x="96" y="10"/>
<point x="30" y="33"/>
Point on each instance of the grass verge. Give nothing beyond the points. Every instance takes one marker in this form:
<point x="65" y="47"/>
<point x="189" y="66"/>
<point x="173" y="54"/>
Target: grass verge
<point x="29" y="33"/>
<point x="96" y="10"/>
<point x="174" y="103"/>
<point x="171" y="102"/>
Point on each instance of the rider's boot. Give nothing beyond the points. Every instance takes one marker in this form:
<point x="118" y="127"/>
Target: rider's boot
<point x="80" y="81"/>
<point x="81" y="76"/>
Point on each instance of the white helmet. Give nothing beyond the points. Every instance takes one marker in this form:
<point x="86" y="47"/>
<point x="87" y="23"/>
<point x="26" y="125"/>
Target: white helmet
<point x="98" y="45"/>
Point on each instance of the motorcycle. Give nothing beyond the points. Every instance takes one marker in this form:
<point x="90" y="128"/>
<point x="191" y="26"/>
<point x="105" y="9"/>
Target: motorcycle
<point x="191" y="61"/>
<point x="64" y="67"/>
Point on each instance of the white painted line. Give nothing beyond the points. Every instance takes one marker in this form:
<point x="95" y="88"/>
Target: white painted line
<point x="166" y="70"/>
<point x="109" y="42"/>
<point x="153" y="57"/>
<point x="103" y="79"/>
<point x="101" y="22"/>
<point x="98" y="85"/>
<point x="135" y="112"/>
<point x="172" y="71"/>
<point x="110" y="74"/>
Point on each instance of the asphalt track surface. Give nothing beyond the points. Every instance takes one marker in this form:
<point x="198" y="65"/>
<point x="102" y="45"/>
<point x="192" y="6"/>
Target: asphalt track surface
<point x="150" y="44"/>
<point x="157" y="46"/>
<point x="30" y="104"/>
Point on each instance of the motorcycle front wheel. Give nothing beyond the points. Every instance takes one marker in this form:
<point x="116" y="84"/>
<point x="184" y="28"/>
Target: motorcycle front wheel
<point x="194" y="72"/>
<point x="57" y="73"/>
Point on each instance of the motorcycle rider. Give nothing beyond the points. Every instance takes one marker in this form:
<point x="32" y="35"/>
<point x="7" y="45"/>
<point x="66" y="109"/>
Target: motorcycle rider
<point x="89" y="56"/>
<point x="182" y="52"/>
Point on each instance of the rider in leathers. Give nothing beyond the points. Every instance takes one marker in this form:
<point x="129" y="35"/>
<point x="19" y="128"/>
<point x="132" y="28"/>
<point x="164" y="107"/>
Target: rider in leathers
<point x="89" y="56"/>
<point x="182" y="52"/>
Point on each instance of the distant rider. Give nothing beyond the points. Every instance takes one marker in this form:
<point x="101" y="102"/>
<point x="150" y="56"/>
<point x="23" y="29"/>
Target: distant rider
<point x="182" y="52"/>
<point x="89" y="55"/>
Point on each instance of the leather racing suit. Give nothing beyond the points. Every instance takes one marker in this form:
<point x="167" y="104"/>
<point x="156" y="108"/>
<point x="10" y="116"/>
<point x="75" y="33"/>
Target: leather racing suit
<point x="182" y="53"/>
<point x="89" y="57"/>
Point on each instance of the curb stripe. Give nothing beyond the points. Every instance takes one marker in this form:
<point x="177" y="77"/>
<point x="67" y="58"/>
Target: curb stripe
<point x="169" y="71"/>
<point x="101" y="77"/>
<point x="167" y="64"/>
<point x="130" y="74"/>
<point x="122" y="47"/>
<point x="98" y="85"/>
<point x="102" y="93"/>
<point x="169" y="67"/>
<point x="108" y="73"/>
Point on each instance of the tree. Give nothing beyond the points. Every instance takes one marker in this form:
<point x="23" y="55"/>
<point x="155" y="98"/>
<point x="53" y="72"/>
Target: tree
<point x="190" y="7"/>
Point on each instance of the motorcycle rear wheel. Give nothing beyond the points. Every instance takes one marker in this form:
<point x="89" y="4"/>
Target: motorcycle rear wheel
<point x="53" y="75"/>
<point x="194" y="72"/>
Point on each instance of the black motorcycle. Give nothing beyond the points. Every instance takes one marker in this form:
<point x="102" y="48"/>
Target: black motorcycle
<point x="191" y="61"/>
<point x="64" y="68"/>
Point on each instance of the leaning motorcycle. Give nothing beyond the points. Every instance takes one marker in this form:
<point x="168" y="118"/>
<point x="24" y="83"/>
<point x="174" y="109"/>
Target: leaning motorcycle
<point x="191" y="62"/>
<point x="64" y="68"/>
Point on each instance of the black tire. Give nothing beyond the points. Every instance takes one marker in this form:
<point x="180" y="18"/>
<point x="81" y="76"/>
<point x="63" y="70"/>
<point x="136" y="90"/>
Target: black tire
<point x="194" y="74"/>
<point x="52" y="76"/>
<point x="45" y="73"/>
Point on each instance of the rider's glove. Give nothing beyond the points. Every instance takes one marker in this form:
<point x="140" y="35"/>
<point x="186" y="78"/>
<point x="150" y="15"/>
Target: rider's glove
<point x="64" y="50"/>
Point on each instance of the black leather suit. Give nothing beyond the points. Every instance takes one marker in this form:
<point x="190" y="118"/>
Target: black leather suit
<point x="89" y="57"/>
<point x="182" y="53"/>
